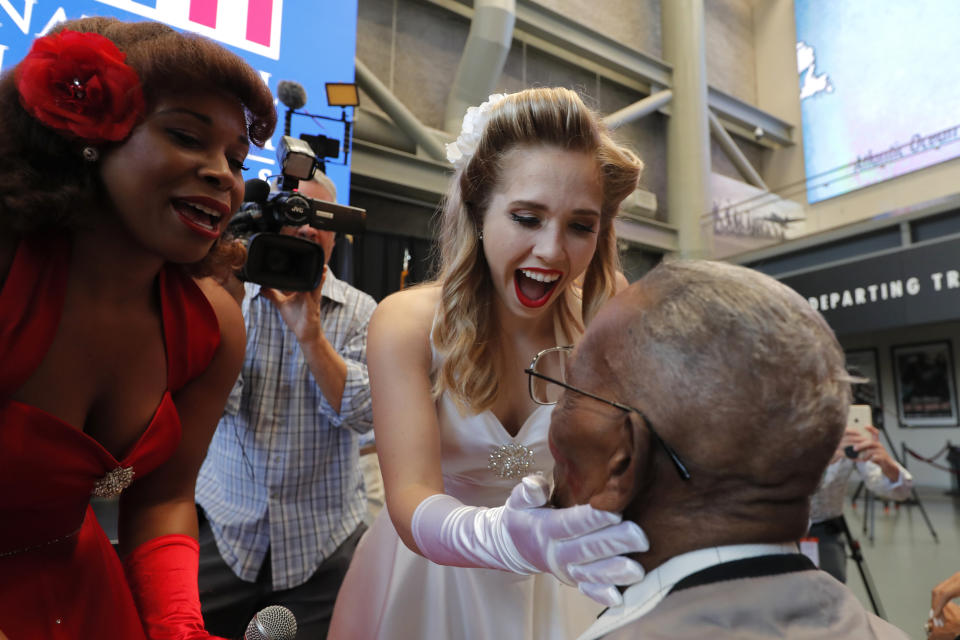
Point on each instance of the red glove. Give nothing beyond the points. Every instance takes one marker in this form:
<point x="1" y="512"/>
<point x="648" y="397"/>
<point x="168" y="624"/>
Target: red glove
<point x="163" y="579"/>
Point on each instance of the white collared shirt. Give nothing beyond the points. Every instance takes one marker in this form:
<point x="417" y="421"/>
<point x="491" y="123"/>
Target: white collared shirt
<point x="641" y="598"/>
<point x="827" y="502"/>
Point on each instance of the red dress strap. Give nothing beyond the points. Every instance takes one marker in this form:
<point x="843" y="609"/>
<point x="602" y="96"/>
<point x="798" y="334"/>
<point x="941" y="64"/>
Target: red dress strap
<point x="58" y="580"/>
<point x="190" y="327"/>
<point x="30" y="306"/>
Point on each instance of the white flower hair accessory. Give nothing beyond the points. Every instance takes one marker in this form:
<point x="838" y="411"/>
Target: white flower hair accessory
<point x="462" y="149"/>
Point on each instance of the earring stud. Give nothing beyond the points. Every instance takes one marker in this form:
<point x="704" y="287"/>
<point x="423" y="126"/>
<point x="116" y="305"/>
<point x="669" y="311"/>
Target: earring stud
<point x="90" y="154"/>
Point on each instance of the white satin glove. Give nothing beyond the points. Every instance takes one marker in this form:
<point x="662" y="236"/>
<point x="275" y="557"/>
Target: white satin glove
<point x="580" y="545"/>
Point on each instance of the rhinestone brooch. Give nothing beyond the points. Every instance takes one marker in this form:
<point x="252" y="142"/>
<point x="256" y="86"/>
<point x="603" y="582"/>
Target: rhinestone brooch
<point x="510" y="461"/>
<point x="113" y="483"/>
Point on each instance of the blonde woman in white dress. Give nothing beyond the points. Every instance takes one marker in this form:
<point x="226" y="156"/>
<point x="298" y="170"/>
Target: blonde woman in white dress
<point x="529" y="211"/>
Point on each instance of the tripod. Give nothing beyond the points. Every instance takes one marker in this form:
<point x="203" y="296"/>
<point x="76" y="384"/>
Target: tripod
<point x="865" y="576"/>
<point x="870" y="509"/>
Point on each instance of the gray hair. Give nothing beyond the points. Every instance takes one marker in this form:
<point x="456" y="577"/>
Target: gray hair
<point x="319" y="177"/>
<point x="745" y="360"/>
<point x="324" y="181"/>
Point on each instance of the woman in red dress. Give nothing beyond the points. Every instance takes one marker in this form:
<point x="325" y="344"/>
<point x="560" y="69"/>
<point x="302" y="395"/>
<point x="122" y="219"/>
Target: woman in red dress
<point x="120" y="167"/>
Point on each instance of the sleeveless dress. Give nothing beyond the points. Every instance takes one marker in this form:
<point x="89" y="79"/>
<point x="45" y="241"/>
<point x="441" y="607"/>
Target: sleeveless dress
<point x="59" y="575"/>
<point x="392" y="593"/>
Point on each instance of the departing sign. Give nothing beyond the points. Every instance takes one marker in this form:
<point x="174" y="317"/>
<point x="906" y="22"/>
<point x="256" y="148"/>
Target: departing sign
<point x="915" y="285"/>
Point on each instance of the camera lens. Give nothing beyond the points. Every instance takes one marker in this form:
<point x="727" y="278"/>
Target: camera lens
<point x="292" y="209"/>
<point x="276" y="261"/>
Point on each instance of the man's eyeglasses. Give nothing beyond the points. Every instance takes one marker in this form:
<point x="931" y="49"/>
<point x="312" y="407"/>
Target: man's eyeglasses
<point x="547" y="377"/>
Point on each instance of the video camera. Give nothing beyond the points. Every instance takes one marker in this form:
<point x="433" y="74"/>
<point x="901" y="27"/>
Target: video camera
<point x="281" y="261"/>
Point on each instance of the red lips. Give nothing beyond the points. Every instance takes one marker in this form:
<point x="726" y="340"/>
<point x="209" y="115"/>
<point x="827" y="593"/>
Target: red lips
<point x="534" y="293"/>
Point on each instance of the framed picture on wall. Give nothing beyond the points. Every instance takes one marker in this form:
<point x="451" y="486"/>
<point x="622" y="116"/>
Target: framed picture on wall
<point x="864" y="363"/>
<point x="926" y="394"/>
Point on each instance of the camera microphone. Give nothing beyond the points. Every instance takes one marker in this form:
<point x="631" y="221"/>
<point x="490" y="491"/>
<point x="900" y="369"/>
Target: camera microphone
<point x="293" y="96"/>
<point x="256" y="190"/>
<point x="250" y="216"/>
<point x="283" y="261"/>
<point x="272" y="623"/>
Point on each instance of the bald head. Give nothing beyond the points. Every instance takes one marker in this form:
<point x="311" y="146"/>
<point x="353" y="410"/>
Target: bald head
<point x="736" y="372"/>
<point x="748" y="357"/>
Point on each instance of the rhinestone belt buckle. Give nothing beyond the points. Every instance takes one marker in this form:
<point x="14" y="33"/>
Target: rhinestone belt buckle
<point x="510" y="460"/>
<point x="113" y="483"/>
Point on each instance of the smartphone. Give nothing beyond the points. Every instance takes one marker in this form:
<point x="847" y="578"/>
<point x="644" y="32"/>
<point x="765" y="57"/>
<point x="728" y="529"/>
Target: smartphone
<point x="860" y="416"/>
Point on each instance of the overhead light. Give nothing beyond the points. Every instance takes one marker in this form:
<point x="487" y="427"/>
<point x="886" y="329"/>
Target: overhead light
<point x="342" y="94"/>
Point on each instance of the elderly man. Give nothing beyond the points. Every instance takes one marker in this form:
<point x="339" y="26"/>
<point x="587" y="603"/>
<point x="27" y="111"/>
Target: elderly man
<point x="704" y="403"/>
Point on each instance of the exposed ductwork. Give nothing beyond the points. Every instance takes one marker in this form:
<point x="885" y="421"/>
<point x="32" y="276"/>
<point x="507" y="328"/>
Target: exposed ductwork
<point x="399" y="113"/>
<point x="484" y="54"/>
<point x="639" y="109"/>
<point x="733" y="152"/>
<point x="373" y="126"/>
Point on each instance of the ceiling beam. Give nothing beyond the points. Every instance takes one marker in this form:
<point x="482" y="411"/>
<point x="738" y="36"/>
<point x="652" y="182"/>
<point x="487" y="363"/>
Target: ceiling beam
<point x="568" y="40"/>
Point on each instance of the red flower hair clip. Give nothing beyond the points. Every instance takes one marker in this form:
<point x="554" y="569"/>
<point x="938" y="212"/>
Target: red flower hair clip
<point x="78" y="84"/>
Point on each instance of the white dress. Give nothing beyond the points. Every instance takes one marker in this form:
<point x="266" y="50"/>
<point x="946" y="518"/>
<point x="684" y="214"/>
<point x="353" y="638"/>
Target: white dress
<point x="392" y="593"/>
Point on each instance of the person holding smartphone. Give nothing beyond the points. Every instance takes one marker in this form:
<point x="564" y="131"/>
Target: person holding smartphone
<point x="859" y="450"/>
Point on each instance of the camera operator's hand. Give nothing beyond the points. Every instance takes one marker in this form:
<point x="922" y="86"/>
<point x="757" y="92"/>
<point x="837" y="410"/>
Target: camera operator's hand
<point x="302" y="313"/>
<point x="300" y="310"/>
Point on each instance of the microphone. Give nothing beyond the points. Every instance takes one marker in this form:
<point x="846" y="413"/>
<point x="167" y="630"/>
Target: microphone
<point x="256" y="190"/>
<point x="293" y="96"/>
<point x="272" y="623"/>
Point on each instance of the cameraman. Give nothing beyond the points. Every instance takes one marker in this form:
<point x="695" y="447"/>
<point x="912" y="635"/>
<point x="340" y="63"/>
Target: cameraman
<point x="281" y="487"/>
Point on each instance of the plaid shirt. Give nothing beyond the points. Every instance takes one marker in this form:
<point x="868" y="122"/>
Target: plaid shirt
<point x="282" y="471"/>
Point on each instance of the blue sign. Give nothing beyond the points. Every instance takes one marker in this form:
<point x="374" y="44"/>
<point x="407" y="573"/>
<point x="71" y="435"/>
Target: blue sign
<point x="307" y="41"/>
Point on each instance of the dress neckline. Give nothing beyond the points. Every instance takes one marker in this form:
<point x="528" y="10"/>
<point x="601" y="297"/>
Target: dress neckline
<point x="502" y="430"/>
<point x="165" y="404"/>
<point x="63" y="244"/>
